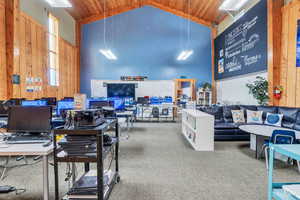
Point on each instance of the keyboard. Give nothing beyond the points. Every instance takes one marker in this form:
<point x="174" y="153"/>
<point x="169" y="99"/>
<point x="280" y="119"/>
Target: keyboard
<point x="26" y="140"/>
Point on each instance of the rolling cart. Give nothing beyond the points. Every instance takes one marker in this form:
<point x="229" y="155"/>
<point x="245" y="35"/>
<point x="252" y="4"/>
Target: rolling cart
<point x="102" y="152"/>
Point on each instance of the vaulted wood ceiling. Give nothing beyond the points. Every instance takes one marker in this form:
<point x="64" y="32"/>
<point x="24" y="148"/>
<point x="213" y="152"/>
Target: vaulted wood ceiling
<point x="205" y="12"/>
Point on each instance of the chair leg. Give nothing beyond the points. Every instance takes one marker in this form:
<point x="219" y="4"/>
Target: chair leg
<point x="262" y="150"/>
<point x="267" y="157"/>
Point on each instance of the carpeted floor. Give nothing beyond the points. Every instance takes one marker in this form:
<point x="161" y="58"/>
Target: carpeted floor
<point x="156" y="163"/>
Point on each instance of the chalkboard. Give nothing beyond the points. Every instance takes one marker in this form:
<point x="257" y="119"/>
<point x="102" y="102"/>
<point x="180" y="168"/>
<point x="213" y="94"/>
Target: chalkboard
<point x="242" y="48"/>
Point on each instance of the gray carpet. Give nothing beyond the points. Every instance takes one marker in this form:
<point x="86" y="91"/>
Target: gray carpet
<point x="157" y="164"/>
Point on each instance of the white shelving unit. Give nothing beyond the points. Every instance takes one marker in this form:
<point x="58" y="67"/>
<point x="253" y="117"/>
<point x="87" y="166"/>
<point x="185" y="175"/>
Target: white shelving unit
<point x="198" y="129"/>
<point x="204" y="97"/>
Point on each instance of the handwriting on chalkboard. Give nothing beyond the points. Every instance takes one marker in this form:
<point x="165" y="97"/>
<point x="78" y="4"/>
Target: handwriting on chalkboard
<point x="242" y="48"/>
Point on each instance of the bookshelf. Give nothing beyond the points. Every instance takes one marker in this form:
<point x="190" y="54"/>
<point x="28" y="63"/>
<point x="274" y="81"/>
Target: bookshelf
<point x="198" y="129"/>
<point x="204" y="97"/>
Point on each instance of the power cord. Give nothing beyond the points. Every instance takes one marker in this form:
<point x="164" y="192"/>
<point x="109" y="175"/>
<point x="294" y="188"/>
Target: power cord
<point x="8" y="189"/>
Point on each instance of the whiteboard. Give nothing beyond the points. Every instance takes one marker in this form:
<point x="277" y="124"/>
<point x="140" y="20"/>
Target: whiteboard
<point x="160" y="88"/>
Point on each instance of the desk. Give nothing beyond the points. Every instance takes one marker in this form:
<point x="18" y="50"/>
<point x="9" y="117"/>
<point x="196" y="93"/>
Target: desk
<point x="129" y="115"/>
<point x="275" y="190"/>
<point x="32" y="150"/>
<point x="260" y="132"/>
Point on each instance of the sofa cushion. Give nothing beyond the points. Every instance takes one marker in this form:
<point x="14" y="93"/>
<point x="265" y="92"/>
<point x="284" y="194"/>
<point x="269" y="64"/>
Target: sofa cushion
<point x="289" y="116"/>
<point x="274" y="119"/>
<point x="248" y="107"/>
<point x="226" y="126"/>
<point x="297" y="123"/>
<point x="254" y="117"/>
<point x="216" y="111"/>
<point x="238" y="116"/>
<point x="267" y="109"/>
<point x="227" y="115"/>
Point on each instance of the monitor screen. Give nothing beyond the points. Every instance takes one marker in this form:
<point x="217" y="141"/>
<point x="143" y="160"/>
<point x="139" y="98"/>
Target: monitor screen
<point x="142" y="100"/>
<point x="16" y="101"/>
<point x="68" y="98"/>
<point x="64" y="105"/>
<point x="29" y="119"/>
<point x="121" y="90"/>
<point x="128" y="101"/>
<point x="51" y="101"/>
<point x="98" y="104"/>
<point x="3" y="109"/>
<point x="34" y="103"/>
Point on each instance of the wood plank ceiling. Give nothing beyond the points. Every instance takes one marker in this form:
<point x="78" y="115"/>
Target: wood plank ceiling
<point x="205" y="12"/>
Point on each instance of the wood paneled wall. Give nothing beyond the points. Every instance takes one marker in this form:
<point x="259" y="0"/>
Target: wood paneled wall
<point x="289" y="74"/>
<point x="3" y="79"/>
<point x="32" y="52"/>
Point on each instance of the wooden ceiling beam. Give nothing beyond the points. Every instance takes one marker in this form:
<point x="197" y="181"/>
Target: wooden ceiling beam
<point x="180" y="13"/>
<point x="108" y="13"/>
<point x="196" y="15"/>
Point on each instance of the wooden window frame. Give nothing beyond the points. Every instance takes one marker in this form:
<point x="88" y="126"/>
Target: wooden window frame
<point x="55" y="51"/>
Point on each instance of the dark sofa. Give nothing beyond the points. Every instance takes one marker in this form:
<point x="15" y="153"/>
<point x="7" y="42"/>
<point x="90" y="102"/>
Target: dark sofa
<point x="226" y="130"/>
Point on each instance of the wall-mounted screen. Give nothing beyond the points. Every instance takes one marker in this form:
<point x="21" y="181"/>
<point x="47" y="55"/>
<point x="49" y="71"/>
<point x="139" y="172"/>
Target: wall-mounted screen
<point x="121" y="90"/>
<point x="242" y="48"/>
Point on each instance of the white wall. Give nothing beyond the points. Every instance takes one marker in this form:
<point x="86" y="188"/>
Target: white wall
<point x="234" y="90"/>
<point x="38" y="10"/>
<point x="145" y="88"/>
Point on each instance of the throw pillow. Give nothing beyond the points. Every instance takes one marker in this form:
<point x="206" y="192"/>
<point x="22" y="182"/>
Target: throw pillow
<point x="238" y="116"/>
<point x="254" y="116"/>
<point x="274" y="119"/>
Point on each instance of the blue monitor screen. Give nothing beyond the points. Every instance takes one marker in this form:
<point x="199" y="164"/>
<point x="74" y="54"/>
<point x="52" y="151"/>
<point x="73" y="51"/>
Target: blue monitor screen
<point x="64" y="105"/>
<point x="128" y="101"/>
<point x="34" y="103"/>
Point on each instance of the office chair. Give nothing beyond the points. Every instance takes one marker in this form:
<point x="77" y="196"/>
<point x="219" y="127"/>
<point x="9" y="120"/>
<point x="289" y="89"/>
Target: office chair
<point x="279" y="137"/>
<point x="155" y="112"/>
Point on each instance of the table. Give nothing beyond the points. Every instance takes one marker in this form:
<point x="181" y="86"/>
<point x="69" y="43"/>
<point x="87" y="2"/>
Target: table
<point x="32" y="150"/>
<point x="275" y="190"/>
<point x="129" y="115"/>
<point x="259" y="132"/>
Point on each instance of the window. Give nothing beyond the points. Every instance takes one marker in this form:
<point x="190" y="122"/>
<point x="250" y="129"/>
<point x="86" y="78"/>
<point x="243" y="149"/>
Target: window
<point x="53" y="51"/>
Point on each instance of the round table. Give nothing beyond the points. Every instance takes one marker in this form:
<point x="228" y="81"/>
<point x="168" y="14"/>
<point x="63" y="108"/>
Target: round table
<point x="259" y="132"/>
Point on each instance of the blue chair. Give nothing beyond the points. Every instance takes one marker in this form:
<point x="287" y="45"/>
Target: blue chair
<point x="279" y="137"/>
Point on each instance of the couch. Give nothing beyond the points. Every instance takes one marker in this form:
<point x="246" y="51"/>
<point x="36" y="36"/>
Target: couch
<point x="227" y="130"/>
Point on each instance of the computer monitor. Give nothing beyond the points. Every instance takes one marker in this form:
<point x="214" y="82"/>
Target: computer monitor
<point x="142" y="100"/>
<point x="98" y="104"/>
<point x="51" y="101"/>
<point x="64" y="105"/>
<point x="16" y="101"/>
<point x="31" y="119"/>
<point x="34" y="103"/>
<point x="68" y="99"/>
<point x="119" y="104"/>
<point x="3" y="109"/>
<point x="128" y="101"/>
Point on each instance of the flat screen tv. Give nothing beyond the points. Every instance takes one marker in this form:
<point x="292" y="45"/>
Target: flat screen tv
<point x="121" y="90"/>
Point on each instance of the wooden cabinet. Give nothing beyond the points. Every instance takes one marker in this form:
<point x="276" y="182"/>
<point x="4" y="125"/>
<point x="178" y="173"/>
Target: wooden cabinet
<point x="181" y="86"/>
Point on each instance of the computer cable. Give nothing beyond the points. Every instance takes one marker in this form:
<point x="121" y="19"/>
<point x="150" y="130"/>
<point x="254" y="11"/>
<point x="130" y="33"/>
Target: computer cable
<point x="8" y="189"/>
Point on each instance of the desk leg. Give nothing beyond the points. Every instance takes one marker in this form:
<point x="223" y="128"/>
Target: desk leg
<point x="270" y="174"/>
<point x="46" y="177"/>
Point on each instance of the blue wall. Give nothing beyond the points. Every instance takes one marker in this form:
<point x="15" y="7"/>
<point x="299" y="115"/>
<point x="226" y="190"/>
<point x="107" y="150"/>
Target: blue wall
<point x="147" y="42"/>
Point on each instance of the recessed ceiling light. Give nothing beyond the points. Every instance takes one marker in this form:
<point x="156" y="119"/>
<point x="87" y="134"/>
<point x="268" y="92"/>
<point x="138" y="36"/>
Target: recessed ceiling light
<point x="185" y="54"/>
<point x="233" y="5"/>
<point x="59" y="3"/>
<point x="108" y="54"/>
